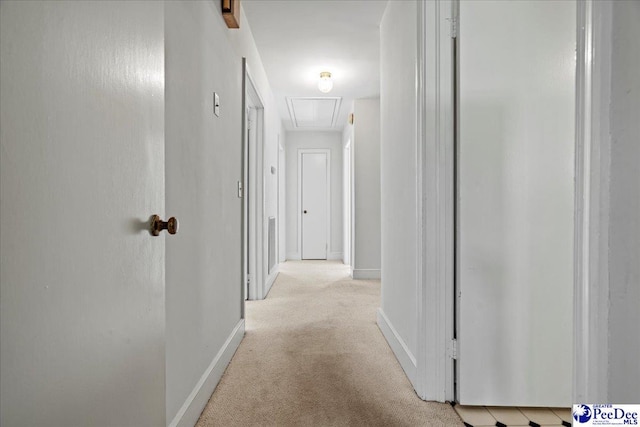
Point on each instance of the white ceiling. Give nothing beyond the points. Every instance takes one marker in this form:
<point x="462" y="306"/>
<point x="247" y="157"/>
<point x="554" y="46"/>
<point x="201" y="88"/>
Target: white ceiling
<point x="297" y="39"/>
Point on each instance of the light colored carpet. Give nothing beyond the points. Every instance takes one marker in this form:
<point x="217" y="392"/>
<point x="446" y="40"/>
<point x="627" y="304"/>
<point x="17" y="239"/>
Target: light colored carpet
<point x="314" y="356"/>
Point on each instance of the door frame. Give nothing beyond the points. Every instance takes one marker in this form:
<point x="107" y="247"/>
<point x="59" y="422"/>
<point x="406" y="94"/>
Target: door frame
<point x="253" y="195"/>
<point x="435" y="200"/>
<point x="436" y="276"/>
<point x="591" y="228"/>
<point x="347" y="202"/>
<point x="326" y="151"/>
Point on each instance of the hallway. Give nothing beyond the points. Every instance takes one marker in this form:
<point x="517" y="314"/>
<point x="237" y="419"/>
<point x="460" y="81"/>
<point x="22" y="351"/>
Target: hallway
<point x="313" y="355"/>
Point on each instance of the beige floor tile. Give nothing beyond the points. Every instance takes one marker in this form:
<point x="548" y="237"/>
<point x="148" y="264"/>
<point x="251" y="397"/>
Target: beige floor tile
<point x="475" y="415"/>
<point x="542" y="416"/>
<point x="508" y="415"/>
<point x="563" y="413"/>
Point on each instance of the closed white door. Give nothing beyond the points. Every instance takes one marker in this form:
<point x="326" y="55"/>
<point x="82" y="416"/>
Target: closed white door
<point x="314" y="205"/>
<point x="82" y="280"/>
<point x="516" y="169"/>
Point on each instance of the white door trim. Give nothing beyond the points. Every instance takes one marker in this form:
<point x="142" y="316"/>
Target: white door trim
<point x="346" y="201"/>
<point x="435" y="201"/>
<point x="593" y="144"/>
<point x="591" y="233"/>
<point x="255" y="211"/>
<point x="302" y="151"/>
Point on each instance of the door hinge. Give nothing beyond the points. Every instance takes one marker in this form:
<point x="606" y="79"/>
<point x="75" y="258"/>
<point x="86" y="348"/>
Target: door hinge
<point x="452" y="350"/>
<point x="454" y="27"/>
<point x="240" y="189"/>
<point x="248" y="279"/>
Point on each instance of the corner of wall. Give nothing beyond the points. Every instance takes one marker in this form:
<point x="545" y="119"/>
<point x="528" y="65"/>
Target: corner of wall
<point x="406" y="359"/>
<point x="196" y="401"/>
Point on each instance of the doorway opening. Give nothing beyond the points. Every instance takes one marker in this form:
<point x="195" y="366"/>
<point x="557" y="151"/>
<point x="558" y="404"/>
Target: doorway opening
<point x="253" y="236"/>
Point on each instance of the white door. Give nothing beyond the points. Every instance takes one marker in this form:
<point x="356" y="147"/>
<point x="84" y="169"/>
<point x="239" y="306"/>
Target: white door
<point x="516" y="168"/>
<point x="314" y="205"/>
<point x="82" y="171"/>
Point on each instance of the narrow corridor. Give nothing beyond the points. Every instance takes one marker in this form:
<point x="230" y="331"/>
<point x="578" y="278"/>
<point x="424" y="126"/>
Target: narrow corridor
<point x="313" y="355"/>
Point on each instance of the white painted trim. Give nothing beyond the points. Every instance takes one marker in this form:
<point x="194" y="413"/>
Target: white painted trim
<point x="346" y="202"/>
<point x="271" y="279"/>
<point x="302" y="151"/>
<point x="365" y="274"/>
<point x="196" y="401"/>
<point x="592" y="151"/>
<point x="406" y="359"/>
<point x="294" y="256"/>
<point x="335" y="255"/>
<point x="245" y="206"/>
<point x="256" y="245"/>
<point x="435" y="200"/>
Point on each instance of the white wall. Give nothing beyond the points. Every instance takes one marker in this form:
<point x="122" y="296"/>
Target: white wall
<point x="398" y="174"/>
<point x="294" y="141"/>
<point x="624" y="213"/>
<point x="203" y="164"/>
<point x="366" y="188"/>
<point x="244" y="45"/>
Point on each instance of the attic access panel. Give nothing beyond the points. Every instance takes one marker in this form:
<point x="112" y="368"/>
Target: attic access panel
<point x="318" y="112"/>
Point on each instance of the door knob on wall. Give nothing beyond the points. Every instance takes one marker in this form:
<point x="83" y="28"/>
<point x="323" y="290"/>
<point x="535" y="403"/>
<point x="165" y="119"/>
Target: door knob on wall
<point x="305" y="211"/>
<point x="157" y="225"/>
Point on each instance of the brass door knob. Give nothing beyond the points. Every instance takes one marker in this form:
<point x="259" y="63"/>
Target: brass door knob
<point x="157" y="225"/>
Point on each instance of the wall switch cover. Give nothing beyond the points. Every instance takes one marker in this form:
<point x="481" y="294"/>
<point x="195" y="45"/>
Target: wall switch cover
<point x="216" y="104"/>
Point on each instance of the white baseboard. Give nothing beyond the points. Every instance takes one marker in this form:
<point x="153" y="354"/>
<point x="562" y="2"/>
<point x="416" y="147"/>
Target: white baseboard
<point x="294" y="256"/>
<point x="335" y="255"/>
<point x="359" y="273"/>
<point x="403" y="354"/>
<point x="192" y="408"/>
<point x="272" y="278"/>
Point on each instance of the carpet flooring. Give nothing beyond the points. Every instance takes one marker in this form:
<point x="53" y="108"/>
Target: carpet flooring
<point x="314" y="356"/>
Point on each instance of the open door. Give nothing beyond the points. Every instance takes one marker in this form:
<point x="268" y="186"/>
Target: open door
<point x="82" y="171"/>
<point x="515" y="202"/>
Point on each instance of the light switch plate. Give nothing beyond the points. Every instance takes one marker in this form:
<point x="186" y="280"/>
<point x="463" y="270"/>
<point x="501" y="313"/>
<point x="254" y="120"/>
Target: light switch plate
<point x="216" y="104"/>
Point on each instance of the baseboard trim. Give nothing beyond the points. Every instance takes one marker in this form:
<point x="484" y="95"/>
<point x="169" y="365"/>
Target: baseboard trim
<point x="271" y="279"/>
<point x="192" y="408"/>
<point x="406" y="359"/>
<point x="359" y="273"/>
<point x="294" y="256"/>
<point x="335" y="256"/>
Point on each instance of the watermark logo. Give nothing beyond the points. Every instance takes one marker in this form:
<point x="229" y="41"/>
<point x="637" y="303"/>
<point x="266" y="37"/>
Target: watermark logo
<point x="581" y="413"/>
<point x="605" y="415"/>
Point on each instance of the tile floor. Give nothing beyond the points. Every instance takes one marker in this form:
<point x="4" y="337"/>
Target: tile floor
<point x="481" y="416"/>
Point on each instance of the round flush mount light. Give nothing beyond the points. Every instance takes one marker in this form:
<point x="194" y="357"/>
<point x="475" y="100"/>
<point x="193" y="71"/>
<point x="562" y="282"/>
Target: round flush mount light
<point x="325" y="84"/>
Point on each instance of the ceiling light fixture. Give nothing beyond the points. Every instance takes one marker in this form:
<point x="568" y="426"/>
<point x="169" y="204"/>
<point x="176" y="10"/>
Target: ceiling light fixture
<point x="325" y="84"/>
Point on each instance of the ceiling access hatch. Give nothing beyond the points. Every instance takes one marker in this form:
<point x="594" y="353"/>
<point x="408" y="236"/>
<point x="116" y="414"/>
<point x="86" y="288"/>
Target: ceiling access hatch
<point x="320" y="112"/>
